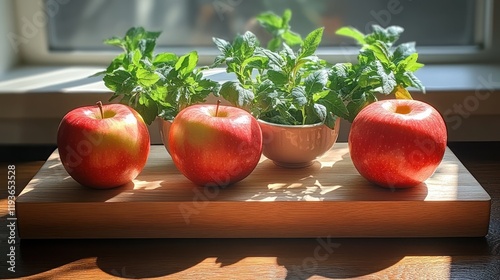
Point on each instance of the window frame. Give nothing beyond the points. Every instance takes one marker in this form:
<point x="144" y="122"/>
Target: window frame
<point x="32" y="42"/>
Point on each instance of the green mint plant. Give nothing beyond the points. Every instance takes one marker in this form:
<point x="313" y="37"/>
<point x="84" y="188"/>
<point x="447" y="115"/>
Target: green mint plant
<point x="280" y="85"/>
<point x="280" y="29"/>
<point x="285" y="87"/>
<point x="382" y="68"/>
<point x="156" y="85"/>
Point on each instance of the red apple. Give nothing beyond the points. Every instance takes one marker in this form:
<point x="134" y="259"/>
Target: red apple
<point x="397" y="143"/>
<point x="215" y="145"/>
<point x="103" y="146"/>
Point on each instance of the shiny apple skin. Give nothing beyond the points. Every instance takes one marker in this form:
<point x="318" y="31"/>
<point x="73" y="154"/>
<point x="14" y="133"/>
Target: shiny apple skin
<point x="104" y="152"/>
<point x="397" y="143"/>
<point x="215" y="150"/>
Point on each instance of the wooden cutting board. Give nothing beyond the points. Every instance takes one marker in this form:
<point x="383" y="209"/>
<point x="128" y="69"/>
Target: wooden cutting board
<point x="328" y="198"/>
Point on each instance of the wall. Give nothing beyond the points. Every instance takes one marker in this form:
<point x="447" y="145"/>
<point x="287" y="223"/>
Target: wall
<point x="8" y="54"/>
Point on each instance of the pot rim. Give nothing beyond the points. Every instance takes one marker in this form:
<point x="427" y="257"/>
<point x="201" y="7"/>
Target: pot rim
<point x="296" y="126"/>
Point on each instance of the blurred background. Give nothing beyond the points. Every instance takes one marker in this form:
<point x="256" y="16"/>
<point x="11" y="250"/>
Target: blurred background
<point x="83" y="25"/>
<point x="49" y="48"/>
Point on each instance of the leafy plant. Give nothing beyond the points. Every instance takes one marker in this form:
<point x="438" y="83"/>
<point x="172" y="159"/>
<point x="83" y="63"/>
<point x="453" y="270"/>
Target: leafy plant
<point x="285" y="87"/>
<point x="155" y="85"/>
<point x="382" y="68"/>
<point x="280" y="29"/>
<point x="280" y="85"/>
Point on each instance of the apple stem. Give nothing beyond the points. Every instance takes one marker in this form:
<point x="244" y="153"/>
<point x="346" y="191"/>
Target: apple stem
<point x="217" y="108"/>
<point x="99" y="104"/>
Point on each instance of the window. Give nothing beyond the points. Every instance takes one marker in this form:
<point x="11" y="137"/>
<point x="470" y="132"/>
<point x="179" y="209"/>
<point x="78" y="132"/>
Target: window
<point x="73" y="31"/>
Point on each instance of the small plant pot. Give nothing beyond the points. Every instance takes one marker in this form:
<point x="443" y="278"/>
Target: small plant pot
<point x="297" y="146"/>
<point x="164" y="127"/>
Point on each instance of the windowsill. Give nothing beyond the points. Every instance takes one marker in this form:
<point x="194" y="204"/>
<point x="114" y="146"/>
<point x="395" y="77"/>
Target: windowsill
<point x="33" y="100"/>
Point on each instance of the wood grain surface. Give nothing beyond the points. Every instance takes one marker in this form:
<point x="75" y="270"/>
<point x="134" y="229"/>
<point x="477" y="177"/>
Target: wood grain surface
<point x="329" y="198"/>
<point x="264" y="258"/>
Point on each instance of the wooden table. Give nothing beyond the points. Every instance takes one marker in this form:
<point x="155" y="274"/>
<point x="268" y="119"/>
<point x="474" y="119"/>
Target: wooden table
<point x="312" y="258"/>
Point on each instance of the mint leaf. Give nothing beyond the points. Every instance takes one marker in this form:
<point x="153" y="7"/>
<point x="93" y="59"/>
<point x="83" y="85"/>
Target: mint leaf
<point x="279" y="78"/>
<point x="403" y="51"/>
<point x="146" y="78"/>
<point x="316" y="82"/>
<point x="353" y="33"/>
<point x="321" y="111"/>
<point x="237" y="95"/>
<point x="117" y="42"/>
<point x="187" y="63"/>
<point x="275" y="60"/>
<point x="311" y="43"/>
<point x="285" y="19"/>
<point x="388" y="35"/>
<point x="299" y="96"/>
<point x="147" y="108"/>
<point x="381" y="52"/>
<point x="270" y="21"/>
<point x="279" y="28"/>
<point x="258" y="62"/>
<point x="334" y="104"/>
<point x="410" y="80"/>
<point x="224" y="46"/>
<point x="119" y="81"/>
<point x="167" y="58"/>
<point x="410" y="63"/>
<point x="291" y="38"/>
<point x="387" y="79"/>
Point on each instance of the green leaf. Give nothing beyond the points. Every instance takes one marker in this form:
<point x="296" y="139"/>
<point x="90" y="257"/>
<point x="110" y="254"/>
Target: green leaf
<point x="356" y="105"/>
<point x="274" y="58"/>
<point x="316" y="82"/>
<point x="410" y="63"/>
<point x="237" y="95"/>
<point x="388" y="35"/>
<point x="146" y="46"/>
<point x="299" y="96"/>
<point x="334" y="104"/>
<point x="116" y="63"/>
<point x="187" y="63"/>
<point x="321" y="111"/>
<point x="270" y="21"/>
<point x="274" y="44"/>
<point x="136" y="57"/>
<point x="147" y="108"/>
<point x="120" y="81"/>
<point x="388" y="81"/>
<point x="167" y="58"/>
<point x="285" y="19"/>
<point x="353" y="33"/>
<point x="311" y="42"/>
<point x="224" y="46"/>
<point x="411" y="80"/>
<point x="115" y="41"/>
<point x="146" y="78"/>
<point x="381" y="52"/>
<point x="403" y="51"/>
<point x="258" y="62"/>
<point x="292" y="38"/>
<point x="277" y="77"/>
<point x="250" y="42"/>
<point x="340" y="75"/>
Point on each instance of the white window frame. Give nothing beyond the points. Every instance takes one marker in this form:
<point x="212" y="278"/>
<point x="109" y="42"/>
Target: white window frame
<point x="31" y="41"/>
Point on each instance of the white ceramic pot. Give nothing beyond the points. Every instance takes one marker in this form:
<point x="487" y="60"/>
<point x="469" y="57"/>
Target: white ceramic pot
<point x="297" y="146"/>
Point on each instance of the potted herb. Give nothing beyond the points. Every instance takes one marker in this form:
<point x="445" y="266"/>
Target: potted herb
<point x="159" y="85"/>
<point x="297" y="97"/>
<point x="383" y="68"/>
